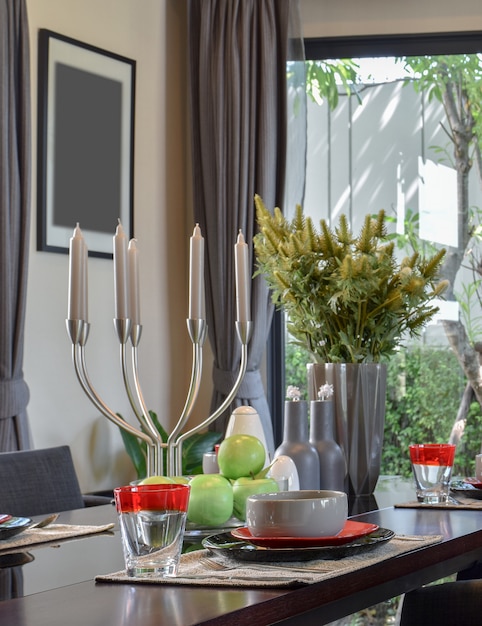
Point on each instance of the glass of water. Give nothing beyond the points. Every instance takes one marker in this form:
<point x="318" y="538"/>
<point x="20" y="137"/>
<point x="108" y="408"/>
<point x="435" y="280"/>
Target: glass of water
<point x="432" y="469"/>
<point x="152" y="520"/>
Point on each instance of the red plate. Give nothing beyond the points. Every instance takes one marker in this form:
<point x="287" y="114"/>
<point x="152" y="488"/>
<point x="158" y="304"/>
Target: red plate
<point x="4" y="517"/>
<point x="474" y="482"/>
<point x="350" y="532"/>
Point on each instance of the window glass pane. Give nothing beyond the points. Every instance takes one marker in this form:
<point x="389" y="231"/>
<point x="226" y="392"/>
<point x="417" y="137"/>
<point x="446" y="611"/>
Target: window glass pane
<point x="390" y="145"/>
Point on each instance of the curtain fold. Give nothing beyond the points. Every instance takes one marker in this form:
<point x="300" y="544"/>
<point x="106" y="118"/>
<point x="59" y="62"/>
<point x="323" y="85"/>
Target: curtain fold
<point x="15" y="181"/>
<point x="238" y="55"/>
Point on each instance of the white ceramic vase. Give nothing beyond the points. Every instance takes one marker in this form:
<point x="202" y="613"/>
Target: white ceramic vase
<point x="245" y="420"/>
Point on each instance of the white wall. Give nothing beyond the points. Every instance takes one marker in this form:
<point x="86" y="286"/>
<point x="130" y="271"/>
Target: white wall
<point x="153" y="32"/>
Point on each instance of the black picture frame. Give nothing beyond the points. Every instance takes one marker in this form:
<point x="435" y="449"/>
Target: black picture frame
<point x="85" y="162"/>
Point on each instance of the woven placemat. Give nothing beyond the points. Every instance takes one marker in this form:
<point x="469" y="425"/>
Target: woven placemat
<point x="53" y="532"/>
<point x="461" y="502"/>
<point x="193" y="572"/>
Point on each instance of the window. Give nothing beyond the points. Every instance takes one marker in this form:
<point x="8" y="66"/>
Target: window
<point x="381" y="162"/>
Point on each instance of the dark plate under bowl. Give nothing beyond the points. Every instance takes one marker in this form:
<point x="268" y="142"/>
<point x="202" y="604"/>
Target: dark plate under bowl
<point x="13" y="526"/>
<point x="226" y="545"/>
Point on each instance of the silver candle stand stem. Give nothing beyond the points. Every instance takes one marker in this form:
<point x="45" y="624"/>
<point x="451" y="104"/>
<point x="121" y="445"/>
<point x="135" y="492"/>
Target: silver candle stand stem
<point x="197" y="329"/>
<point x="159" y="444"/>
<point x="78" y="331"/>
<point x="125" y="329"/>
<point x="243" y="330"/>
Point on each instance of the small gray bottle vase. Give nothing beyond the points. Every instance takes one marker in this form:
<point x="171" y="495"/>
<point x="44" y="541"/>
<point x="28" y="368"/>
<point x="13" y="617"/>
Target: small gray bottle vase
<point x="333" y="467"/>
<point x="296" y="445"/>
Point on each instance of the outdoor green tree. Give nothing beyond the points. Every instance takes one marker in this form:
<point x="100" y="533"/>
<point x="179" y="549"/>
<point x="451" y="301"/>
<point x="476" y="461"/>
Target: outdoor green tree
<point x="455" y="81"/>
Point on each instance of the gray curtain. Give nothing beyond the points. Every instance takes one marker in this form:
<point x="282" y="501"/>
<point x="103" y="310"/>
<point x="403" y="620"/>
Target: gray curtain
<point x="15" y="156"/>
<point x="238" y="55"/>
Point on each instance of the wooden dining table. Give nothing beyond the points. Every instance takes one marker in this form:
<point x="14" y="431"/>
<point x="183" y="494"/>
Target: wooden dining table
<point x="57" y="584"/>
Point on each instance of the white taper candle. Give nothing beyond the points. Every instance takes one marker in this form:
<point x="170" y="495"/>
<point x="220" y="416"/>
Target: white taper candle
<point x="196" y="275"/>
<point x="243" y="280"/>
<point x="85" y="283"/>
<point x="134" y="298"/>
<point x="76" y="270"/>
<point x="120" y="273"/>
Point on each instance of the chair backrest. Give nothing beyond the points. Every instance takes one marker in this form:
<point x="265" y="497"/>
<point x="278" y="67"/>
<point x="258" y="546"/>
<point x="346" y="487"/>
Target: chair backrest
<point x="456" y="603"/>
<point x="35" y="482"/>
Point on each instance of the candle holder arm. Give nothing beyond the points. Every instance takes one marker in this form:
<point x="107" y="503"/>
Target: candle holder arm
<point x="160" y="445"/>
<point x="78" y="331"/>
<point x="125" y="329"/>
<point x="197" y="331"/>
<point x="243" y="330"/>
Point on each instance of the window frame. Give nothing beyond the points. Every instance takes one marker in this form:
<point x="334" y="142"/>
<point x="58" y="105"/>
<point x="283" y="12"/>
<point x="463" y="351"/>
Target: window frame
<point x="318" y="48"/>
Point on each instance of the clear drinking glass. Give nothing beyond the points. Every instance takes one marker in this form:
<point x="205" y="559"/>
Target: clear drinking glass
<point x="432" y="469"/>
<point x="152" y="521"/>
<point x="478" y="467"/>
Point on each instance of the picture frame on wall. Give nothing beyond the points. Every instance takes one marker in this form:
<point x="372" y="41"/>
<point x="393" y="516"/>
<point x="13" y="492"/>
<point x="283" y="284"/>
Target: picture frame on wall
<point x="86" y="101"/>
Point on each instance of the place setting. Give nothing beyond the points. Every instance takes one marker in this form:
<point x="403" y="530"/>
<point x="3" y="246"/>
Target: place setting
<point x="20" y="532"/>
<point x="291" y="538"/>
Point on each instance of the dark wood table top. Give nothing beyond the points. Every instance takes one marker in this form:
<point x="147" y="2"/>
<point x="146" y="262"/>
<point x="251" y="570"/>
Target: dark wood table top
<point x="59" y="589"/>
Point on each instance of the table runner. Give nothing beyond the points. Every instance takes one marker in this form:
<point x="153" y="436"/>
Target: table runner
<point x="53" y="532"/>
<point x="245" y="576"/>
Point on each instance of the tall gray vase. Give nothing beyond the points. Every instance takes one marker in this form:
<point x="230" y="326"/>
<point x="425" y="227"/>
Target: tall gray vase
<point x="296" y="445"/>
<point x="322" y="437"/>
<point x="360" y="396"/>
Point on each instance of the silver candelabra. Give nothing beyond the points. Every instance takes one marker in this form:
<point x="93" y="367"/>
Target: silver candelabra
<point x="78" y="331"/>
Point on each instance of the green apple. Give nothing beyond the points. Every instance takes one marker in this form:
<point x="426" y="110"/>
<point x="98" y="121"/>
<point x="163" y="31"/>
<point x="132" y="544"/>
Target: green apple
<point x="240" y="455"/>
<point x="210" y="500"/>
<point x="180" y="480"/>
<point x="245" y="486"/>
<point x="156" y="480"/>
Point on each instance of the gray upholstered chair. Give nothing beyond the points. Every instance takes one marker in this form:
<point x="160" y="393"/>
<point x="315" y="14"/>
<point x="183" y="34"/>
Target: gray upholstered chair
<point x="447" y="604"/>
<point x="35" y="482"/>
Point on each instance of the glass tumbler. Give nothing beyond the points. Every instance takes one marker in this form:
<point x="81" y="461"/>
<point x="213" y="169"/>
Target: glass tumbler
<point x="432" y="469"/>
<point x="152" y="521"/>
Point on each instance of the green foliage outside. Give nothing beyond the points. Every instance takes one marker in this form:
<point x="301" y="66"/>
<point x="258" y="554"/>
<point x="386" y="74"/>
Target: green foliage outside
<point x="459" y="74"/>
<point x="324" y="77"/>
<point x="424" y="387"/>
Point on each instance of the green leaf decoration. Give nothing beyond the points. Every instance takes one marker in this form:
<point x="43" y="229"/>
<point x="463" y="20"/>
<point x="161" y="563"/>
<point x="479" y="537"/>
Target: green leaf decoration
<point x="192" y="450"/>
<point x="264" y="472"/>
<point x="136" y="451"/>
<point x="159" y="426"/>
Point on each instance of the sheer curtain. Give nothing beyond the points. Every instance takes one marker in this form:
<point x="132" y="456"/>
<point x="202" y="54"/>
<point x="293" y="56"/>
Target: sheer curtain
<point x="238" y="54"/>
<point x="15" y="156"/>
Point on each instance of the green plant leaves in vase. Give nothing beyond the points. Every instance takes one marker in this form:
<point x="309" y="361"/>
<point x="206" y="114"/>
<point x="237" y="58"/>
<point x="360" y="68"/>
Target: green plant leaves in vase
<point x="192" y="451"/>
<point x="347" y="298"/>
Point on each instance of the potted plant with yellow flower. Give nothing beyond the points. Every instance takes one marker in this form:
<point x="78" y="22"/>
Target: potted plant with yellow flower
<point x="351" y="303"/>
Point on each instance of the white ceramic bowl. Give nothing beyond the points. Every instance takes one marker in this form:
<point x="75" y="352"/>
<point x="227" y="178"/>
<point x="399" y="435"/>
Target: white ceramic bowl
<point x="306" y="513"/>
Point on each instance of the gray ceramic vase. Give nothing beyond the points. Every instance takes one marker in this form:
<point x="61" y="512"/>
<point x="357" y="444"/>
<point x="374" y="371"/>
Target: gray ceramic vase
<point x="359" y="397"/>
<point x="296" y="445"/>
<point x="322" y="437"/>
